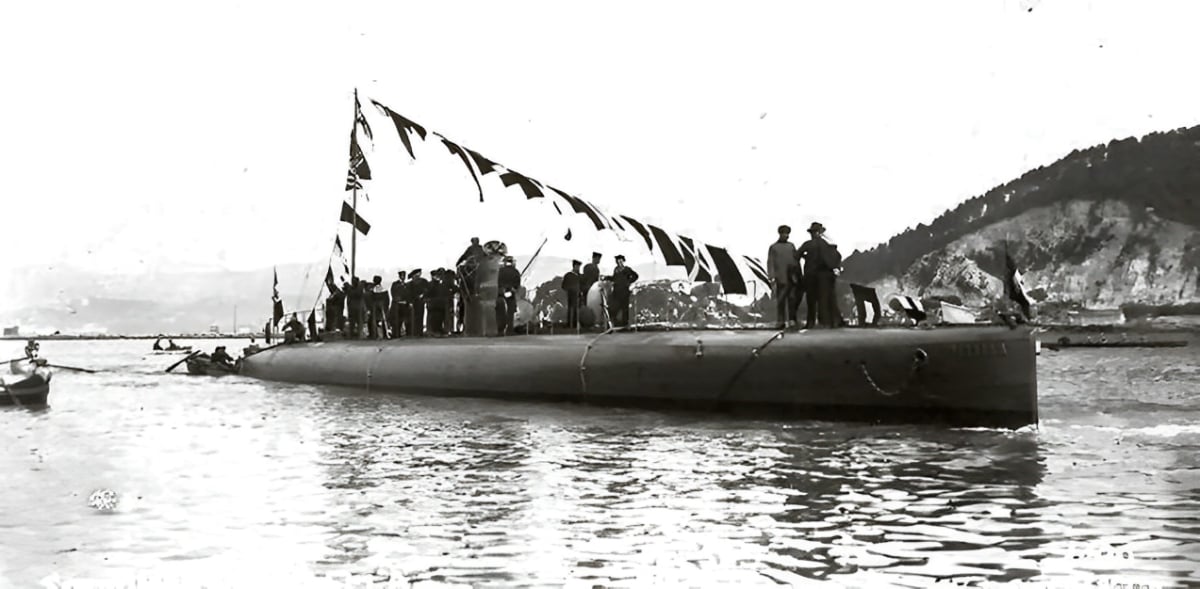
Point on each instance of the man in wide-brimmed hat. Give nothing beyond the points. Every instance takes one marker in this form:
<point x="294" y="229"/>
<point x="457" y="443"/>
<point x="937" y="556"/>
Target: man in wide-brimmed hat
<point x="822" y="263"/>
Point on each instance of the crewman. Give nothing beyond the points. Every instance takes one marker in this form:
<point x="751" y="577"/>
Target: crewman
<point x="570" y="286"/>
<point x="354" y="308"/>
<point x="591" y="275"/>
<point x="822" y="264"/>
<point x="622" y="278"/>
<point x="399" y="311"/>
<point x="436" y="302"/>
<point x="468" y="263"/>
<point x="31" y="349"/>
<point x="781" y="263"/>
<point x="508" y="282"/>
<point x="335" y="307"/>
<point x="453" y="293"/>
<point x="417" y="288"/>
<point x="379" y="308"/>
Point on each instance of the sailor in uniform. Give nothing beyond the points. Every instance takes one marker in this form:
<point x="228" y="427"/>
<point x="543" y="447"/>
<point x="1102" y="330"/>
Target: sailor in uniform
<point x="622" y="278"/>
<point x="417" y="289"/>
<point x="570" y="286"/>
<point x="508" y="282"/>
<point x="590" y="276"/>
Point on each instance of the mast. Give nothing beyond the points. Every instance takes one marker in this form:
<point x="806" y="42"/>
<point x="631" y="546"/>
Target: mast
<point x="354" y="230"/>
<point x="354" y="203"/>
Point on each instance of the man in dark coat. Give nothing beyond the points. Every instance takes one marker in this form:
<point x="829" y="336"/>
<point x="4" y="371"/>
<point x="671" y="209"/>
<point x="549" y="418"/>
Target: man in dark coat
<point x="570" y="286"/>
<point x="399" y="311"/>
<point x="335" y="307"/>
<point x="468" y="262"/>
<point x="822" y="263"/>
<point x="293" y="330"/>
<point x="508" y="282"/>
<point x="380" y="301"/>
<point x="355" y="307"/>
<point x="622" y="278"/>
<point x="591" y="275"/>
<point x="436" y="302"/>
<point x="418" y="288"/>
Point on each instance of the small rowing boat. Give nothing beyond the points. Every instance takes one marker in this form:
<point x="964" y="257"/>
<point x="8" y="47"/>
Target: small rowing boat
<point x="30" y="385"/>
<point x="202" y="365"/>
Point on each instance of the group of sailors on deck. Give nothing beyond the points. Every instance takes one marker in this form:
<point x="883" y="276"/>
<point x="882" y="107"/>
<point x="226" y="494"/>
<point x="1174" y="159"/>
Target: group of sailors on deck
<point x="414" y="306"/>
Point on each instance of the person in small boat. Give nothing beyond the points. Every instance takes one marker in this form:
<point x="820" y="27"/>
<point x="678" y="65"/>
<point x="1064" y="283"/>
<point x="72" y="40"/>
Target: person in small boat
<point x="508" y="282"/>
<point x="221" y="357"/>
<point x="171" y="345"/>
<point x="570" y="285"/>
<point x="399" y="310"/>
<point x="293" y="331"/>
<point x="590" y="276"/>
<point x="622" y="278"/>
<point x="158" y="345"/>
<point x="468" y="263"/>
<point x="822" y="264"/>
<point x="782" y="264"/>
<point x="31" y="349"/>
<point x="418" y="290"/>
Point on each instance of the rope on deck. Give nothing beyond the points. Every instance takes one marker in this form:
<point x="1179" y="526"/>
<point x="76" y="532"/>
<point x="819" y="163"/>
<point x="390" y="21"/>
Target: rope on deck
<point x="586" y="350"/>
<point x="920" y="361"/>
<point x="754" y="353"/>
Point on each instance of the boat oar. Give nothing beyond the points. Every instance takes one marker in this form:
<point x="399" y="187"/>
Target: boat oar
<point x="71" y="368"/>
<point x="15" y="359"/>
<point x="185" y="359"/>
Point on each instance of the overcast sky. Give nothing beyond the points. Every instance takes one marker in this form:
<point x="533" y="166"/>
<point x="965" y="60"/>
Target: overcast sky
<point x="139" y="136"/>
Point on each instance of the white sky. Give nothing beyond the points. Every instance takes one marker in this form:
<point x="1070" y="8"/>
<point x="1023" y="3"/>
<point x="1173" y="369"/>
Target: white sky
<point x="148" y="135"/>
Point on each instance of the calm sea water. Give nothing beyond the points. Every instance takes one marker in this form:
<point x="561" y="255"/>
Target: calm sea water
<point x="240" y="483"/>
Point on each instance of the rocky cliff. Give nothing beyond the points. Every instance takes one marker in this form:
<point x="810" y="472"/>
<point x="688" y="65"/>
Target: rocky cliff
<point x="1113" y="225"/>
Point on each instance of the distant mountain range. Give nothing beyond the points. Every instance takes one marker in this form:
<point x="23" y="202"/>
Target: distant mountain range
<point x="1111" y="225"/>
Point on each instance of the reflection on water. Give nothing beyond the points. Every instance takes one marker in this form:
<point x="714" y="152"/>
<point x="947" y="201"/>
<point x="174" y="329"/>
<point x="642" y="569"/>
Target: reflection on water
<point x="231" y="475"/>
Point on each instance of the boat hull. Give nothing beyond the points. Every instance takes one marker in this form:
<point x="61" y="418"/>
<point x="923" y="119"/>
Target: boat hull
<point x="201" y="366"/>
<point x="28" y="389"/>
<point x="961" y="376"/>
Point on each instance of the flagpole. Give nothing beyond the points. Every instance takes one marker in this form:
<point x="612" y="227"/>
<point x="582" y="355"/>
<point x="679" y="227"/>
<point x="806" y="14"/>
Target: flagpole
<point x="354" y="231"/>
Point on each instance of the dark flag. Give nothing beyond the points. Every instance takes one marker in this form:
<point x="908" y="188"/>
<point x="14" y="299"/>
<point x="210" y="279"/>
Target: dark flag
<point x="1014" y="284"/>
<point x="866" y="302"/>
<point x="312" y="325"/>
<point x="275" y="285"/>
<point x="403" y="127"/>
<point x="909" y="306"/>
<point x="580" y="207"/>
<point x="670" y="254"/>
<point x="731" y="278"/>
<point x="529" y="185"/>
<point x="691" y="263"/>
<point x="359" y="119"/>
<point x="278" y="311"/>
<point x="756" y="268"/>
<point x="349" y="216"/>
<point x="330" y="283"/>
<point x="462" y="155"/>
<point x="359" y="170"/>
<point x="641" y="229"/>
<point x="277" y="307"/>
<point x="485" y="165"/>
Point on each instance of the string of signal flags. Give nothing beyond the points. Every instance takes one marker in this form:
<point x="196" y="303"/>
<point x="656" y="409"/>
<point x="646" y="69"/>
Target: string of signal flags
<point x="703" y="262"/>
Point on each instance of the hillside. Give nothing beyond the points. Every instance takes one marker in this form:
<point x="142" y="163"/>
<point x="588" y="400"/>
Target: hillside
<point x="1107" y="226"/>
